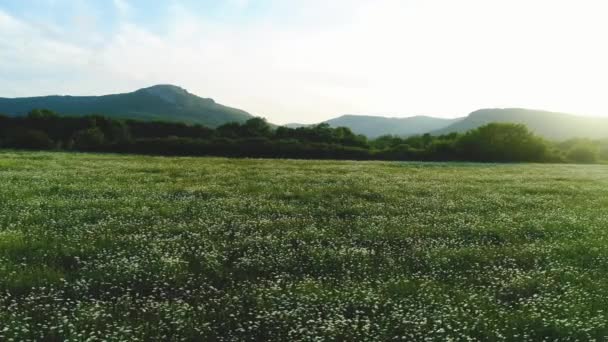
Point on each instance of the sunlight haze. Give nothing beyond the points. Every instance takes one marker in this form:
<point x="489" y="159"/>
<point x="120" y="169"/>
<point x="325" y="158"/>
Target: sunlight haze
<point x="310" y="60"/>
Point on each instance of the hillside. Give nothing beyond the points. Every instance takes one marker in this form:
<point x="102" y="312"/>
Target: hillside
<point x="375" y="126"/>
<point x="551" y="125"/>
<point x="295" y="125"/>
<point x="156" y="103"/>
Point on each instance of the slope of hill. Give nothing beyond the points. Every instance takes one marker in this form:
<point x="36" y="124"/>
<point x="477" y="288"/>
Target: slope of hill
<point x="160" y="102"/>
<point x="375" y="126"/>
<point x="551" y="125"/>
<point x="295" y="125"/>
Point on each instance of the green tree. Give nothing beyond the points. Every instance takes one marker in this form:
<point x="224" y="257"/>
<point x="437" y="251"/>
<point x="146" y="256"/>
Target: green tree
<point x="583" y="153"/>
<point x="256" y="127"/>
<point x="42" y="114"/>
<point x="88" y="139"/>
<point x="230" y="130"/>
<point x="30" y="139"/>
<point x="386" y="141"/>
<point x="502" y="142"/>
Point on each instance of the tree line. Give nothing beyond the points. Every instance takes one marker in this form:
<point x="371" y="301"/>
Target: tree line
<point x="496" y="142"/>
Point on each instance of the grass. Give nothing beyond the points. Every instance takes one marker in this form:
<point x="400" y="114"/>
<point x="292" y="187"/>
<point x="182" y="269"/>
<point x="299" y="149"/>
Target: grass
<point x="149" y="248"/>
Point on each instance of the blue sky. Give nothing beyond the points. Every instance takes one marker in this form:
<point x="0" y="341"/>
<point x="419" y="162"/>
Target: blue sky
<point x="309" y="60"/>
<point x="103" y="17"/>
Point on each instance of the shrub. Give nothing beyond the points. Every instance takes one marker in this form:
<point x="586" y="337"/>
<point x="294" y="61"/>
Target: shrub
<point x="603" y="150"/>
<point x="30" y="139"/>
<point x="502" y="142"/>
<point x="583" y="153"/>
<point x="88" y="139"/>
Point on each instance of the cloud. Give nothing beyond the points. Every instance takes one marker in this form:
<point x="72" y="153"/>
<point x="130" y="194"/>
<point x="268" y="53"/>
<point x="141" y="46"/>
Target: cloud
<point x="122" y="7"/>
<point x="27" y="48"/>
<point x="310" y="60"/>
<point x="239" y="4"/>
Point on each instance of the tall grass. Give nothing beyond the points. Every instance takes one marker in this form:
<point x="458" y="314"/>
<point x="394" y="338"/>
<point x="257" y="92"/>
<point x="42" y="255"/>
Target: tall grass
<point x="151" y="248"/>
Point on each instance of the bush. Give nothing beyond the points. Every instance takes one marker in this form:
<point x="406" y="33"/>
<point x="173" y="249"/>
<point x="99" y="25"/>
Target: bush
<point x="88" y="139"/>
<point x="502" y="142"/>
<point x="43" y="129"/>
<point x="603" y="150"/>
<point x="30" y="139"/>
<point x="583" y="153"/>
<point x="42" y="114"/>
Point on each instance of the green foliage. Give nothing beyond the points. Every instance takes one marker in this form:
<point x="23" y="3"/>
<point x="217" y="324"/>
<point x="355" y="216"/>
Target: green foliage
<point x="603" y="150"/>
<point x="385" y="142"/>
<point x="549" y="125"/>
<point x="256" y="138"/>
<point x="584" y="150"/>
<point x="88" y="139"/>
<point x="29" y="139"/>
<point x="42" y="114"/>
<point x="157" y="103"/>
<point x="502" y="142"/>
<point x="257" y="127"/>
<point x="215" y="249"/>
<point x="583" y="153"/>
<point x="114" y="131"/>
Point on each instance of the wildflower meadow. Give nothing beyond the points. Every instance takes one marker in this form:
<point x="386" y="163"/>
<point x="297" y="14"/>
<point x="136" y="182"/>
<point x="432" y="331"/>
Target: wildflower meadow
<point x="130" y="248"/>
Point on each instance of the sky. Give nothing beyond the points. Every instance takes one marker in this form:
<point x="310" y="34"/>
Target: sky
<point x="307" y="61"/>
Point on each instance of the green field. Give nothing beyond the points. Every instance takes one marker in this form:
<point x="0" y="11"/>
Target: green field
<point x="150" y="248"/>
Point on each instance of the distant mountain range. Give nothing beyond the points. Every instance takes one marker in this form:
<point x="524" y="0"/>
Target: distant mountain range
<point x="156" y="103"/>
<point x="175" y="104"/>
<point x="375" y="126"/>
<point x="551" y="125"/>
<point x="555" y="126"/>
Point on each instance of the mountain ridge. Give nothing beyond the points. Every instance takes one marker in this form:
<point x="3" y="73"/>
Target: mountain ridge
<point x="162" y="102"/>
<point x="166" y="102"/>
<point x="374" y="126"/>
<point x="551" y="125"/>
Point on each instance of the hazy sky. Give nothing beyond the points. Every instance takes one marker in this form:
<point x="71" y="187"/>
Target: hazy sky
<point x="310" y="60"/>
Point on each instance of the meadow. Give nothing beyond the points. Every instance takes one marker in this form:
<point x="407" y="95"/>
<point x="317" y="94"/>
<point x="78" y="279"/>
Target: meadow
<point x="139" y="248"/>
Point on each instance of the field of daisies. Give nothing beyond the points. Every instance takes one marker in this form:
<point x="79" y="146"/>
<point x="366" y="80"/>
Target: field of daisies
<point x="130" y="248"/>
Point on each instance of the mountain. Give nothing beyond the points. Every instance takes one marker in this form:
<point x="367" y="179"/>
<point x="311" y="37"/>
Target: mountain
<point x="156" y="103"/>
<point x="295" y="125"/>
<point x="375" y="126"/>
<point x="551" y="125"/>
